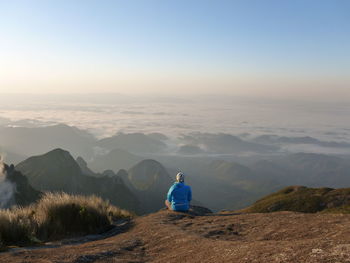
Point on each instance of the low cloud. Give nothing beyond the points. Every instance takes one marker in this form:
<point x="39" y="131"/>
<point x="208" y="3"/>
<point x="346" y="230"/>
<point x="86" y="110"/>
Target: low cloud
<point x="7" y="188"/>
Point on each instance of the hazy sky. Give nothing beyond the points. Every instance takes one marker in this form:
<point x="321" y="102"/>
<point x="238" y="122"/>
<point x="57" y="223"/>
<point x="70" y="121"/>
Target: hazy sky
<point x="262" y="47"/>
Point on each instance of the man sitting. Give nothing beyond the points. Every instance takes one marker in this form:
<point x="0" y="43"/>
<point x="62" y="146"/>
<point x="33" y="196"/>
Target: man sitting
<point x="179" y="195"/>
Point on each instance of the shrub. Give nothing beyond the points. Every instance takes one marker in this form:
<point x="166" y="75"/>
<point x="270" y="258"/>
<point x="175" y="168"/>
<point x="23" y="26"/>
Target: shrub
<point x="57" y="215"/>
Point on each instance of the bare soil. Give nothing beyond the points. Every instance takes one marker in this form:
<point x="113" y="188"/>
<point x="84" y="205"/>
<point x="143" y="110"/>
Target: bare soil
<point x="168" y="236"/>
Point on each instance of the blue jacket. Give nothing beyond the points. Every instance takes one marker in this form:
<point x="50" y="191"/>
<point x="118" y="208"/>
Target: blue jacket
<point x="180" y="195"/>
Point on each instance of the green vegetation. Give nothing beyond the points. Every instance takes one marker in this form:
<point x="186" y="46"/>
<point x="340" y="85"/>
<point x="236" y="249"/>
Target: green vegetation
<point x="345" y="209"/>
<point x="57" y="216"/>
<point x="304" y="199"/>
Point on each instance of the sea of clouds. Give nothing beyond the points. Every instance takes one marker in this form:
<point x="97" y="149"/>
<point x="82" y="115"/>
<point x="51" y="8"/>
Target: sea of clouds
<point x="106" y="115"/>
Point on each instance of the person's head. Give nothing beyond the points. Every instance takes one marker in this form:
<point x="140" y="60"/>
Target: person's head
<point x="180" y="177"/>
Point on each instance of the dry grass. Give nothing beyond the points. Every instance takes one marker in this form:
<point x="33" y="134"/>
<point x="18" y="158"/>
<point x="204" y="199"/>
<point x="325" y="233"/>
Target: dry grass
<point x="55" y="216"/>
<point x="16" y="226"/>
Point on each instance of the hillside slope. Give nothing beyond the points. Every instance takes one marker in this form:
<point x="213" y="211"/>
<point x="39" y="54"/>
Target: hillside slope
<point x="165" y="236"/>
<point x="304" y="199"/>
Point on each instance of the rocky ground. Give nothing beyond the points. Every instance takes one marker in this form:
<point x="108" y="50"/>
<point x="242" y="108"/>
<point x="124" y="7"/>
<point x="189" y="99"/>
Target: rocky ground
<point x="198" y="237"/>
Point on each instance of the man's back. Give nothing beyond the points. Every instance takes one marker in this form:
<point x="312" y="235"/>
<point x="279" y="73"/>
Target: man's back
<point x="179" y="196"/>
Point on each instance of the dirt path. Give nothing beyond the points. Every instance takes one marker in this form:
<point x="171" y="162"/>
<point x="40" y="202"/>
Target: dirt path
<point x="176" y="237"/>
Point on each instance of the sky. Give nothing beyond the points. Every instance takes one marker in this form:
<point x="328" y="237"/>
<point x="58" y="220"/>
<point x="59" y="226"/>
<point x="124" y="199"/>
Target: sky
<point x="269" y="48"/>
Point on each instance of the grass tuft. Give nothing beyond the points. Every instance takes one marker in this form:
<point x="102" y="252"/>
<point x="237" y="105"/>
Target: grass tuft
<point x="55" y="216"/>
<point x="16" y="226"/>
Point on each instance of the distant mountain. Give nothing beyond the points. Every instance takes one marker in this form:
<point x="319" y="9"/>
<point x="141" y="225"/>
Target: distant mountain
<point x="32" y="141"/>
<point x="244" y="184"/>
<point x="241" y="176"/>
<point x="84" y="167"/>
<point x="151" y="182"/>
<point x="215" y="183"/>
<point x="115" y="160"/>
<point x="55" y="170"/>
<point x="190" y="150"/>
<point x="58" y="171"/>
<point x="231" y="171"/>
<point x="148" y="174"/>
<point x="303" y="199"/>
<point x="158" y="136"/>
<point x="317" y="170"/>
<point x="11" y="157"/>
<point x="309" y="169"/>
<point x="275" y="139"/>
<point x="274" y="171"/>
<point x="15" y="189"/>
<point x="133" y="142"/>
<point x="218" y="194"/>
<point x="226" y="143"/>
<point x="229" y="185"/>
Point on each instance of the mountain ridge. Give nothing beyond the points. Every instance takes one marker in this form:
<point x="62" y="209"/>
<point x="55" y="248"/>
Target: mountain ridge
<point x="58" y="171"/>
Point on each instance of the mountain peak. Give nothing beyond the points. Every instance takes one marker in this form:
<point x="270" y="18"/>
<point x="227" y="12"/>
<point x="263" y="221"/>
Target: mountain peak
<point x="58" y="157"/>
<point x="50" y="170"/>
<point x="150" y="163"/>
<point x="150" y="181"/>
<point x="58" y="151"/>
<point x="147" y="174"/>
